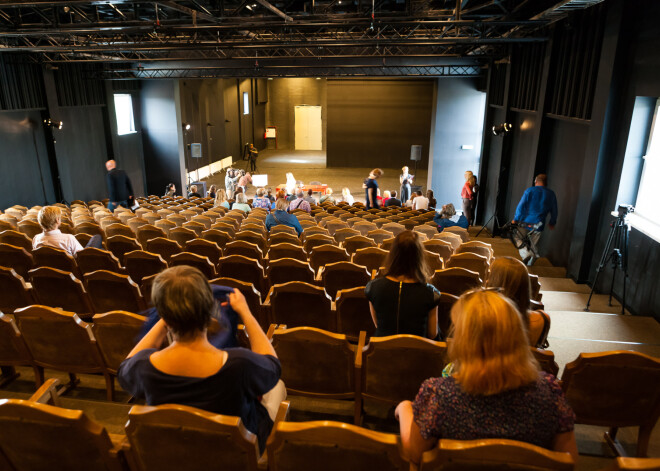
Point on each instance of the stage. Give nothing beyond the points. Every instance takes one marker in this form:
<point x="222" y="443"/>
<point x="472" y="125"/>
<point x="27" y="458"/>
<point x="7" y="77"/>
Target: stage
<point x="310" y="165"/>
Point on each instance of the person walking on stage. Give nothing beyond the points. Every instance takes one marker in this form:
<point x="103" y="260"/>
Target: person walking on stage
<point x="534" y="206"/>
<point x="371" y="189"/>
<point x="120" y="189"/>
<point x="467" y="196"/>
<point x="406" y="180"/>
<point x="253" y="153"/>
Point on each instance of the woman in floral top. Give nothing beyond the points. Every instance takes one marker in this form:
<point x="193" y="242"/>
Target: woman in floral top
<point x="260" y="201"/>
<point x="496" y="389"/>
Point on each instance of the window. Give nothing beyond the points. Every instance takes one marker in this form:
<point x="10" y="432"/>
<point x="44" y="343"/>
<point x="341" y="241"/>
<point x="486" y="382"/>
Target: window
<point x="646" y="217"/>
<point x="124" y="113"/>
<point x="246" y="103"/>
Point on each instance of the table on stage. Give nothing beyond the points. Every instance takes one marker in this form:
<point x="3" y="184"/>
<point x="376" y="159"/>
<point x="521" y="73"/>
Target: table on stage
<point x="315" y="188"/>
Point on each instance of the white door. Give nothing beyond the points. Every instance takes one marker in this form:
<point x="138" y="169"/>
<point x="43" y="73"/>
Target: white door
<point x="309" y="131"/>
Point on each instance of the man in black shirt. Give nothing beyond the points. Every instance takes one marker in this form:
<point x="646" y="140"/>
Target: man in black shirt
<point x="119" y="186"/>
<point x="393" y="201"/>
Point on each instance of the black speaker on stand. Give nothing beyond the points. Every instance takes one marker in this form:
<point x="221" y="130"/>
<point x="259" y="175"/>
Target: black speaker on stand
<point x="416" y="155"/>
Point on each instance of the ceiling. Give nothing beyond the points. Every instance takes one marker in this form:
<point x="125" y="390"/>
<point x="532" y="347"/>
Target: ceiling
<point x="200" y="38"/>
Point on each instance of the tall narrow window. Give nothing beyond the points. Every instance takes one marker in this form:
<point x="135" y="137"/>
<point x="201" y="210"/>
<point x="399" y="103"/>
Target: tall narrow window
<point x="647" y="210"/>
<point x="124" y="113"/>
<point x="246" y="103"/>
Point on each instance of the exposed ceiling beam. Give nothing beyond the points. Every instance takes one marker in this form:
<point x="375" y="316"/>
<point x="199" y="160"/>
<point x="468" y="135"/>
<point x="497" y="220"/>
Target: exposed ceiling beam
<point x="274" y="9"/>
<point x="189" y="11"/>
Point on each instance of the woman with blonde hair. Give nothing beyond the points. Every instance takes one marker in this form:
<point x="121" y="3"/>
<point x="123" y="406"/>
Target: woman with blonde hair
<point x="466" y="195"/>
<point x="346" y="196"/>
<point x="495" y="390"/>
<point x="512" y="277"/>
<point x="221" y="199"/>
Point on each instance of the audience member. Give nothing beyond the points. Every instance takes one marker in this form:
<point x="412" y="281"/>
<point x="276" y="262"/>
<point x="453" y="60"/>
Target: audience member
<point x="327" y="197"/>
<point x="393" y="200"/>
<point x="420" y="202"/>
<point x="447" y="217"/>
<point x="432" y="201"/>
<point x="260" y="201"/>
<point x="211" y="192"/>
<point x="401" y="300"/>
<point x="231" y="178"/>
<point x="221" y="199"/>
<point x="193" y="192"/>
<point x="241" y="203"/>
<point x="309" y="198"/>
<point x="244" y="181"/>
<point x="120" y="190"/>
<point x="495" y="389"/>
<point x="269" y="195"/>
<point x="50" y="219"/>
<point x="386" y="196"/>
<point x="371" y="188"/>
<point x="280" y="216"/>
<point x="170" y="190"/>
<point x="346" y="196"/>
<point x="466" y="195"/>
<point x="300" y="203"/>
<point x="512" y="277"/>
<point x="190" y="371"/>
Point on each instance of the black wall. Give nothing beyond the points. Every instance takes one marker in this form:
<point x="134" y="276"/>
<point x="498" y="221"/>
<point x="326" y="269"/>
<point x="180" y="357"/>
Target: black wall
<point x="373" y="123"/>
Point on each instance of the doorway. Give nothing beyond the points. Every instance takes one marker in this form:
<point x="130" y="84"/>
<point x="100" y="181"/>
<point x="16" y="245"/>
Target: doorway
<point x="308" y="128"/>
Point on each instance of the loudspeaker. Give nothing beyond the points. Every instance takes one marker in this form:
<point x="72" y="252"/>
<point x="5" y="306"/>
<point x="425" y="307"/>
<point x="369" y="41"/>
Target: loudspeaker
<point x="416" y="153"/>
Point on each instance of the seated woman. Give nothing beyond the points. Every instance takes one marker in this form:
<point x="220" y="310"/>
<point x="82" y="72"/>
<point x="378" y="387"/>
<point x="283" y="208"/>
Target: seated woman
<point x="261" y="201"/>
<point x="512" y="277"/>
<point x="241" y="202"/>
<point x="496" y="389"/>
<point x="447" y="218"/>
<point x="280" y="216"/>
<point x="401" y="300"/>
<point x="191" y="371"/>
<point x="346" y="196"/>
<point x="327" y="197"/>
<point x="221" y="199"/>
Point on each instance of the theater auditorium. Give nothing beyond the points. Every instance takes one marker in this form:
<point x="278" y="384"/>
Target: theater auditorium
<point x="329" y="234"/>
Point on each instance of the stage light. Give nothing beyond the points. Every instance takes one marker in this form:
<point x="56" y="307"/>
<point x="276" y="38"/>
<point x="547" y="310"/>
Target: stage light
<point x="502" y="129"/>
<point x="53" y="124"/>
<point x="186" y="126"/>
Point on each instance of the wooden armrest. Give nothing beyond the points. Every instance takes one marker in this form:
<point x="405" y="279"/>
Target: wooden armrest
<point x="267" y="301"/>
<point x="271" y="331"/>
<point x="282" y="413"/>
<point x="362" y="339"/>
<point x="333" y="305"/>
<point x="374" y="273"/>
<point x="319" y="274"/>
<point x="47" y="393"/>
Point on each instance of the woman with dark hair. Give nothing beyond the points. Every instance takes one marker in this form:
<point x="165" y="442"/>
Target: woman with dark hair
<point x="432" y="200"/>
<point x="401" y="300"/>
<point x="190" y="370"/>
<point x="170" y="189"/>
<point x="495" y="388"/>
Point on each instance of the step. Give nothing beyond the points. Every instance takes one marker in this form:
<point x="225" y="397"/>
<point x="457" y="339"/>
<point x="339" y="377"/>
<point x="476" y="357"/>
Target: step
<point x="548" y="272"/>
<point x="576" y="302"/>
<point x="606" y="327"/>
<point x="562" y="284"/>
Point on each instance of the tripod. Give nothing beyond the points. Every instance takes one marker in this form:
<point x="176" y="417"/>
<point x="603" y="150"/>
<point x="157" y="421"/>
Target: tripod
<point x="496" y="226"/>
<point x="616" y="251"/>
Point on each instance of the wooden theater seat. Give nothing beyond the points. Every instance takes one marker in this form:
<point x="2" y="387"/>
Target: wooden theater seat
<point x="283" y="237"/>
<point x="635" y="464"/>
<point x="92" y="259"/>
<point x="615" y="389"/>
<point x="328" y="253"/>
<point x="252" y="297"/>
<point x="244" y="269"/>
<point x="245" y="248"/>
<point x="110" y="291"/>
<point x="17" y="258"/>
<point x="318" y="363"/>
<point x="120" y="245"/>
<point x="147" y="232"/>
<point x="17" y="239"/>
<point x="286" y="250"/>
<point x="353" y="314"/>
<point x="493" y="455"/>
<point x="140" y="264"/>
<point x="455" y="280"/>
<point x="163" y="247"/>
<point x="352" y="244"/>
<point x="332" y="446"/>
<point x="284" y="270"/>
<point x="546" y="360"/>
<point x="441" y="247"/>
<point x="57" y="288"/>
<point x="298" y="304"/>
<point x="46" y="256"/>
<point x="371" y="257"/>
<point x="205" y="248"/>
<point x="470" y="261"/>
<point x="478" y="247"/>
<point x="343" y="275"/>
<point x="13" y="350"/>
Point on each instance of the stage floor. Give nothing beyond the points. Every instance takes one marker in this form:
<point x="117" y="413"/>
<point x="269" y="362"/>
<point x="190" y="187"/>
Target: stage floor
<point x="310" y="165"/>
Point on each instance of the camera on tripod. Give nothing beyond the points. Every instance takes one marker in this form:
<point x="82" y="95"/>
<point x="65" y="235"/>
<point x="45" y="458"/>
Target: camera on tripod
<point x="625" y="209"/>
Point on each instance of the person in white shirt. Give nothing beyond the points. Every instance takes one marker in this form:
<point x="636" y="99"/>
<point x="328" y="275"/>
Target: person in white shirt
<point x="290" y="185"/>
<point x="420" y="202"/>
<point x="50" y="219"/>
<point x="346" y="196"/>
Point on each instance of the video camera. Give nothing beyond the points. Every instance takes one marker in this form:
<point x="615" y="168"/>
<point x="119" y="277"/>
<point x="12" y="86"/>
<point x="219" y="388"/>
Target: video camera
<point x="624" y="209"/>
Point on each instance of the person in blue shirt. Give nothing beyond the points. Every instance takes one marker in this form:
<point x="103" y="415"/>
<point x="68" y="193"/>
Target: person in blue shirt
<point x="536" y="203"/>
<point x="371" y="189"/>
<point x="280" y="216"/>
<point x="447" y="217"/>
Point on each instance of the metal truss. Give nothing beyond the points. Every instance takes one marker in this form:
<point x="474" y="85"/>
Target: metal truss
<point x="357" y="71"/>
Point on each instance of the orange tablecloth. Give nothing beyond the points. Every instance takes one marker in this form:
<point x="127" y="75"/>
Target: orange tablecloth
<point x="315" y="188"/>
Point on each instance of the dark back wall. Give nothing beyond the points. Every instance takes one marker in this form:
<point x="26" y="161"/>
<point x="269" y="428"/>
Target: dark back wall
<point x="22" y="151"/>
<point x="373" y="123"/>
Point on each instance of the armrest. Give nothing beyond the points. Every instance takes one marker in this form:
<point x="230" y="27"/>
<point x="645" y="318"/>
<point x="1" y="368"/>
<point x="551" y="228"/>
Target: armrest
<point x="271" y="331"/>
<point x="47" y="393"/>
<point x="362" y="340"/>
<point x="282" y="415"/>
<point x="267" y="301"/>
<point x="319" y="274"/>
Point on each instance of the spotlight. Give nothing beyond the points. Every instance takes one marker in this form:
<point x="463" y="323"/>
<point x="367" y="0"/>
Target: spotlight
<point x="186" y="126"/>
<point x="502" y="129"/>
<point x="53" y="124"/>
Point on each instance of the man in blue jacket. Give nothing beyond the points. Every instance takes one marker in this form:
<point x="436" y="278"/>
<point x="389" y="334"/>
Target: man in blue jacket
<point x="534" y="206"/>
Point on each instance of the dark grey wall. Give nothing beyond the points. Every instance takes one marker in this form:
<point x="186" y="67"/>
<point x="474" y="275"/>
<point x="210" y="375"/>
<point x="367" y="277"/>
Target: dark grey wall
<point x="522" y="159"/>
<point x="82" y="152"/>
<point x="233" y="145"/>
<point x="162" y="135"/>
<point x="373" y="123"/>
<point x="283" y="96"/>
<point x="22" y="150"/>
<point x="458" y="120"/>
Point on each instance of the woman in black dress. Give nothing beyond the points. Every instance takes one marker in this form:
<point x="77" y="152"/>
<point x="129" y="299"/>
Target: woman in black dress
<point x="401" y="300"/>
